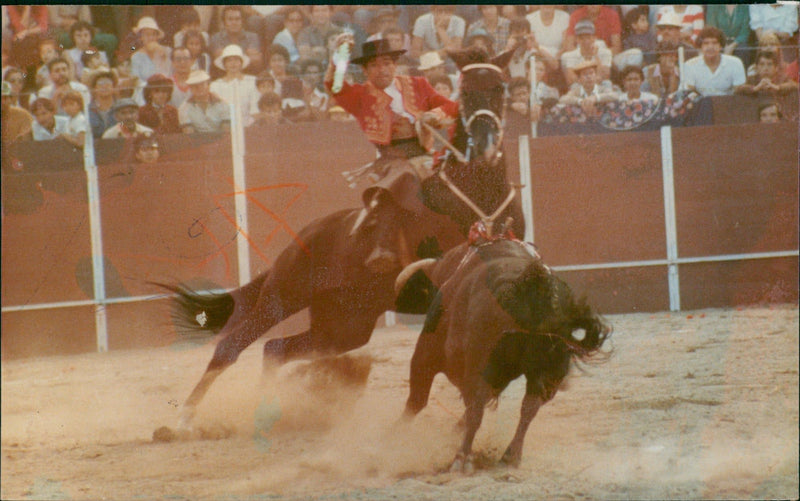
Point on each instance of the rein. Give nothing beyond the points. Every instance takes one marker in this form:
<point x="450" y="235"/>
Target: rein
<point x="488" y="220"/>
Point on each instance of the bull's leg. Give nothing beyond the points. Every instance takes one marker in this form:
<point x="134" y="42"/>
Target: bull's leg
<point x="428" y="360"/>
<point x="474" y="416"/>
<point x="530" y="406"/>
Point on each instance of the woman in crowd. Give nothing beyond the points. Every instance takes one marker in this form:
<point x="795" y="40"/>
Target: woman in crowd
<point x="157" y="113"/>
<point x="194" y="41"/>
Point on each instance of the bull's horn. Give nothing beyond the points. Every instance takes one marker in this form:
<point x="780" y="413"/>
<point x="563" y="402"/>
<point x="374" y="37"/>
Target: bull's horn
<point x="402" y="278"/>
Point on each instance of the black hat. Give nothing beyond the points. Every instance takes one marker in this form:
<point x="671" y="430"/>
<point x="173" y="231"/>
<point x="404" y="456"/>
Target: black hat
<point x="375" y="48"/>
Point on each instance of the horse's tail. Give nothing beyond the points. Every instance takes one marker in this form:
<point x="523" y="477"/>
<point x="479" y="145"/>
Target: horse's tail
<point x="199" y="312"/>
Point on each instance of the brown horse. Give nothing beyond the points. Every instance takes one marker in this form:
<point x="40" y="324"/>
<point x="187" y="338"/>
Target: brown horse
<point x="328" y="276"/>
<point x="500" y="313"/>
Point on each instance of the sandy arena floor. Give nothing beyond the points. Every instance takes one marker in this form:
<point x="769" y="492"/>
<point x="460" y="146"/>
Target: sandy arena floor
<point x="691" y="405"/>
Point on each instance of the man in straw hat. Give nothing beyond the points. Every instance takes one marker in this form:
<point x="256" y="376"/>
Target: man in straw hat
<point x="126" y="112"/>
<point x="388" y="107"/>
<point x="589" y="91"/>
<point x="204" y="111"/>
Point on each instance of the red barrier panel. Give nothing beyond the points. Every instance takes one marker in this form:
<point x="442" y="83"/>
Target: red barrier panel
<point x="596" y="200"/>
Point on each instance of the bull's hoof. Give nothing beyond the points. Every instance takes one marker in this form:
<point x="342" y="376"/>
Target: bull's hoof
<point x="382" y="260"/>
<point x="463" y="464"/>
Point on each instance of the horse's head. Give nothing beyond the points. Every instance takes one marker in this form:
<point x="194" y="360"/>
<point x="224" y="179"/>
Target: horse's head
<point x="481" y="101"/>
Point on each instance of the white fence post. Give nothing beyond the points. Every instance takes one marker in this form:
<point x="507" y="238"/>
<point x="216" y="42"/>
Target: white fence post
<point x="526" y="192"/>
<point x="669" y="219"/>
<point x="96" y="232"/>
<point x="240" y="185"/>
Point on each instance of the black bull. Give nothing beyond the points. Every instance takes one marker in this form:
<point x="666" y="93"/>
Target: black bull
<point x="500" y="313"/>
<point x="323" y="270"/>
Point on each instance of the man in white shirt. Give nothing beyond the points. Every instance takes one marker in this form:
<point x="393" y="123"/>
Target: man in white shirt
<point x="589" y="49"/>
<point x="59" y="75"/>
<point x="438" y="30"/>
<point x="713" y="73"/>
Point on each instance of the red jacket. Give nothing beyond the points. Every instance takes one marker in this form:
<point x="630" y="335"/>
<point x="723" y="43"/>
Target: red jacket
<point x="371" y="106"/>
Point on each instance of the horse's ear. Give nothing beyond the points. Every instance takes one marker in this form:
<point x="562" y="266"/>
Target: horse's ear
<point x="501" y="60"/>
<point x="460" y="57"/>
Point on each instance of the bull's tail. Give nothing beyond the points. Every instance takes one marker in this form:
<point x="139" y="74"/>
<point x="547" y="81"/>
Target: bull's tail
<point x="194" y="312"/>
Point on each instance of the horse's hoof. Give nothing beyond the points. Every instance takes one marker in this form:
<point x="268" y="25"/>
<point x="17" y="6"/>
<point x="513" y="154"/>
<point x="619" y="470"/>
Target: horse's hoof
<point x="381" y="260"/>
<point x="463" y="464"/>
<point x="511" y="459"/>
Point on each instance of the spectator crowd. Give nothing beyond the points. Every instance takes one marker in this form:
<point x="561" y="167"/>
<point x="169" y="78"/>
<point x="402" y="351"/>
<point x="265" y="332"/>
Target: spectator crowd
<point x="127" y="71"/>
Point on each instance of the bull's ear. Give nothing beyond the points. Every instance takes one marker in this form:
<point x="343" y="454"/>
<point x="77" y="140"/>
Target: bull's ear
<point x="501" y="60"/>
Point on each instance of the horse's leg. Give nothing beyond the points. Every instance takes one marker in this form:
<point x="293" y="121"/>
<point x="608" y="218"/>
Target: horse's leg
<point x="267" y="312"/>
<point x="530" y="406"/>
<point x="476" y="404"/>
<point x="338" y="325"/>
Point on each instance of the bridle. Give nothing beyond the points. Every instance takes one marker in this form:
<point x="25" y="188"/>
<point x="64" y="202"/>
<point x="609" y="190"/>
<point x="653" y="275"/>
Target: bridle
<point x="487" y="219"/>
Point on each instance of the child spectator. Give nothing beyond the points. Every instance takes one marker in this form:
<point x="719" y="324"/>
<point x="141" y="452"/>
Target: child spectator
<point x="269" y="109"/>
<point x="632" y="78"/>
<point x="146" y="149"/>
<point x="662" y="78"/>
<point x="92" y="65"/>
<point x="157" y="113"/>
<point x="233" y="61"/>
<point x="443" y="85"/>
<point x="81" y="35"/>
<point x="203" y="111"/>
<point x="101" y="115"/>
<point x="638" y="35"/>
<point x="265" y="83"/>
<point x="198" y="49"/>
<point x="769" y="42"/>
<point x="189" y="21"/>
<point x="126" y="112"/>
<point x="586" y="92"/>
<point x="769" y="112"/>
<point x="690" y="17"/>
<point x="431" y="66"/>
<point x="549" y="26"/>
<point x="15" y="78"/>
<point x="47" y="124"/>
<point x="768" y="79"/>
<point x="75" y="132"/>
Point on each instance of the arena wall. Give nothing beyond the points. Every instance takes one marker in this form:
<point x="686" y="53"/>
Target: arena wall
<point x="598" y="214"/>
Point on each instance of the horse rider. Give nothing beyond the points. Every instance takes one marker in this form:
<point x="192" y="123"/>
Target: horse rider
<point x="388" y="107"/>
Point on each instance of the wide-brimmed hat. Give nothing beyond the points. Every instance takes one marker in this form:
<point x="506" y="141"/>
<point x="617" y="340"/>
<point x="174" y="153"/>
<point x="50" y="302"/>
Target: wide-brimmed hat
<point x="670" y="19"/>
<point x="375" y="48"/>
<point x="429" y="60"/>
<point x="591" y="63"/>
<point x="197" y="76"/>
<point x="584" y="27"/>
<point x="125" y="102"/>
<point x="148" y="22"/>
<point x="231" y="50"/>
